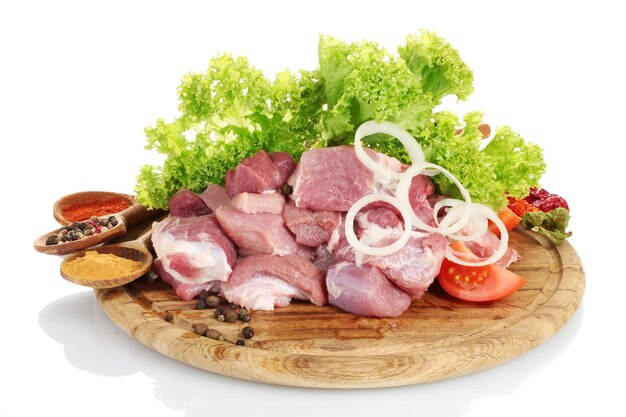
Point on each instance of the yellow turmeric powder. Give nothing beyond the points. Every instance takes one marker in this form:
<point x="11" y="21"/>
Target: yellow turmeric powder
<point x="97" y="266"/>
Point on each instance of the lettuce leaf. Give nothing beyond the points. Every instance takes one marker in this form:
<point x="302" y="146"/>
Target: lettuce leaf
<point x="437" y="65"/>
<point x="362" y="81"/>
<point x="226" y="114"/>
<point x="552" y="224"/>
<point x="518" y="165"/>
<point x="461" y="155"/>
<point x="232" y="110"/>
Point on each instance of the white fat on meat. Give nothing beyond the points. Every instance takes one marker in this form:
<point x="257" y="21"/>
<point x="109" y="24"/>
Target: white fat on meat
<point x="192" y="251"/>
<point x="262" y="282"/>
<point x="266" y="202"/>
<point x="183" y="290"/>
<point x="337" y="234"/>
<point x="208" y="261"/>
<point x="384" y="183"/>
<point x="263" y="292"/>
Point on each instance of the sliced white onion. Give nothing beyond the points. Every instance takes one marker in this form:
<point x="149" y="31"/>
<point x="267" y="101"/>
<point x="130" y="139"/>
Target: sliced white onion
<point x="455" y="227"/>
<point x="410" y="144"/>
<point x="404" y="209"/>
<point x="461" y="213"/>
<point x="402" y="193"/>
<point x="504" y="240"/>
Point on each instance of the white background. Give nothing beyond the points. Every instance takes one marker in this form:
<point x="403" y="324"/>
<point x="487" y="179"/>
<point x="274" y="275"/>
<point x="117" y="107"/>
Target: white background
<point x="79" y="81"/>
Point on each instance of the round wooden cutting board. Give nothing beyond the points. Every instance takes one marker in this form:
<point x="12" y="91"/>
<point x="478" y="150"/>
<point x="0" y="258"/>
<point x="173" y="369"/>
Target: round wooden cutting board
<point x="304" y="345"/>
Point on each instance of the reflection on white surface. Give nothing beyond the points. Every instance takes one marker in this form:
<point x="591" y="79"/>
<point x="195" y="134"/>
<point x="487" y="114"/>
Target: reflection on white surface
<point x="93" y="343"/>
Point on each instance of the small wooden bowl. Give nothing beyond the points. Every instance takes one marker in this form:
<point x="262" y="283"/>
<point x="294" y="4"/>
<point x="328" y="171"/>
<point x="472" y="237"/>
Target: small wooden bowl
<point x="63" y="202"/>
<point x="128" y="218"/>
<point x="135" y="250"/>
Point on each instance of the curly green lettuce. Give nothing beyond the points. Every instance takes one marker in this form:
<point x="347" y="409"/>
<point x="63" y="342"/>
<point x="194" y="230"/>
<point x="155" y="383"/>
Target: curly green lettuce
<point x="362" y="81"/>
<point x="227" y="114"/>
<point x="437" y="65"/>
<point x="232" y="110"/>
<point x="518" y="164"/>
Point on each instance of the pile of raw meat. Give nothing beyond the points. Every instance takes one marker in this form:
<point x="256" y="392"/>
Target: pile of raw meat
<point x="277" y="232"/>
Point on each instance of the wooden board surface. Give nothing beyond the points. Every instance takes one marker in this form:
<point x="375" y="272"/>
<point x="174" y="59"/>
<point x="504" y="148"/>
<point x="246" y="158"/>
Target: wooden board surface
<point x="303" y="345"/>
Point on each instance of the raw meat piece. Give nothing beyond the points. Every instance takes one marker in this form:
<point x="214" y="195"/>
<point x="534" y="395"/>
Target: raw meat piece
<point x="323" y="258"/>
<point x="255" y="174"/>
<point x="259" y="203"/>
<point x="258" y="173"/>
<point x="334" y="178"/>
<point x="344" y="251"/>
<point x="193" y="250"/>
<point x="338" y="244"/>
<point x="338" y="233"/>
<point x="262" y="282"/>
<point x="285" y="164"/>
<point x="214" y="196"/>
<point x="330" y="179"/>
<point x="487" y="245"/>
<point x="422" y="188"/>
<point x="312" y="228"/>
<point x="414" y="267"/>
<point x="185" y="291"/>
<point x="364" y="291"/>
<point x="381" y="216"/>
<point x="257" y="233"/>
<point x="185" y="203"/>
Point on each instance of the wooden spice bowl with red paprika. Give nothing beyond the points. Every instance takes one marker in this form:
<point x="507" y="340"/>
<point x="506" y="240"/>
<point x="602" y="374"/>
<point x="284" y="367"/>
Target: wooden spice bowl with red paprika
<point x="84" y="205"/>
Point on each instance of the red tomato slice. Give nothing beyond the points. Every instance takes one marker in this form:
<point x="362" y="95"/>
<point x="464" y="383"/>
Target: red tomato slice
<point x="477" y="283"/>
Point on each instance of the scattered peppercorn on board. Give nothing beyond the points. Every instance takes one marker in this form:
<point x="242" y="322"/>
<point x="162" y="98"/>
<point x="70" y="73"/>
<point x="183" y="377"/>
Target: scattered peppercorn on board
<point x="303" y="345"/>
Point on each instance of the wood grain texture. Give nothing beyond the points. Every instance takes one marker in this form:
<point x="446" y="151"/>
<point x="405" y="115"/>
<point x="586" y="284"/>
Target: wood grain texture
<point x="303" y="345"/>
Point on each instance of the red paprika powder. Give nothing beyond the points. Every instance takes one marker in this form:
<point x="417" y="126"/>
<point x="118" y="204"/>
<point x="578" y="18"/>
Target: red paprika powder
<point x="97" y="207"/>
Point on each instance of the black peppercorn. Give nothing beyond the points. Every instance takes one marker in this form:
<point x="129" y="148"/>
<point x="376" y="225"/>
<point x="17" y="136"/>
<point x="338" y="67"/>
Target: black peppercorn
<point x="240" y="342"/>
<point x="168" y="317"/>
<point x="52" y="240"/>
<point x="247" y="332"/>
<point x="201" y="304"/>
<point x="218" y="312"/>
